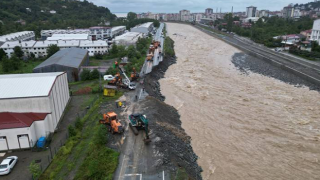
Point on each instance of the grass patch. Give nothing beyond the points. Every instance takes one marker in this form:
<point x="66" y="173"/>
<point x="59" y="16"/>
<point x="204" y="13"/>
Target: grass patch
<point x="85" y="142"/>
<point x="25" y="67"/>
<point x="181" y="174"/>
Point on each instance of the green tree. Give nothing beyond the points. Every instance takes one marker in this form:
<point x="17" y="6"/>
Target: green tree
<point x="122" y="52"/>
<point x="94" y="74"/>
<point x="114" y="49"/>
<point x="85" y="75"/>
<point x="35" y="170"/>
<point x="2" y="54"/>
<point x="111" y="71"/>
<point x="131" y="51"/>
<point x="131" y="16"/>
<point x="18" y="51"/>
<point x="52" y="49"/>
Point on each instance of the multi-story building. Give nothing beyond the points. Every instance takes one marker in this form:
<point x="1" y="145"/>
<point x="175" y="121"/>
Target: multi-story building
<point x="307" y="34"/>
<point x="296" y="13"/>
<point x="315" y="35"/>
<point x="94" y="47"/>
<point x="100" y="32"/>
<point x="68" y="37"/>
<point x="197" y="16"/>
<point x="208" y="11"/>
<point x="251" y="11"/>
<point x="184" y="15"/>
<point x="263" y="13"/>
<point x="287" y="12"/>
<point x="18" y="36"/>
<point x="39" y="48"/>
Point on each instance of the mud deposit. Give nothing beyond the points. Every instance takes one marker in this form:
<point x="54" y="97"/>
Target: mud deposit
<point x="169" y="137"/>
<point x="243" y="126"/>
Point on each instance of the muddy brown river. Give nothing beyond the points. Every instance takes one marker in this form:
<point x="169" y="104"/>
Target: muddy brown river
<point x="242" y="126"/>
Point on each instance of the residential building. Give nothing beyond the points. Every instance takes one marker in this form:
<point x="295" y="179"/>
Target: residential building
<point x="40" y="48"/>
<point x="251" y="11"/>
<point x="66" y="60"/>
<point x="117" y="31"/>
<point x="287" y="12"/>
<point x="197" y="16"/>
<point x="18" y="36"/>
<point x="208" y="11"/>
<point x="145" y="28"/>
<point x="184" y="15"/>
<point x="206" y="21"/>
<point x="307" y="34"/>
<point x="263" y="13"/>
<point x="128" y="38"/>
<point x="315" y="35"/>
<point x="296" y="14"/>
<point x="31" y="106"/>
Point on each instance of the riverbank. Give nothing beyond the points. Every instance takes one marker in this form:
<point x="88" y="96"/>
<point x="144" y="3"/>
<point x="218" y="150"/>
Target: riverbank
<point x="242" y="126"/>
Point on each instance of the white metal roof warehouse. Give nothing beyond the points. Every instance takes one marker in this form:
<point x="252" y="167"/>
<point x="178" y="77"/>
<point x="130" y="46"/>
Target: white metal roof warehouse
<point x="31" y="106"/>
<point x="145" y="28"/>
<point x="128" y="38"/>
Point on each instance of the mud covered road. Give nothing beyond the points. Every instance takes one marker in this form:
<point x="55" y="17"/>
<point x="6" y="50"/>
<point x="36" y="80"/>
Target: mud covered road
<point x="242" y="125"/>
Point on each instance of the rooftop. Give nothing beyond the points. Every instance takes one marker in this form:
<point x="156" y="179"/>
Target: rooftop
<point x="71" y="57"/>
<point x="10" y="37"/>
<point x="68" y="43"/>
<point x="146" y="25"/>
<point x="128" y="36"/>
<point x="68" y="37"/>
<point x="97" y="43"/>
<point x="117" y="28"/>
<point x="27" y="85"/>
<point x="44" y="43"/>
<point x="10" y="120"/>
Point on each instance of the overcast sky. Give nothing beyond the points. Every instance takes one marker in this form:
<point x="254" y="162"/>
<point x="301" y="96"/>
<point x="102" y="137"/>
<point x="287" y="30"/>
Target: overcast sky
<point x="174" y="6"/>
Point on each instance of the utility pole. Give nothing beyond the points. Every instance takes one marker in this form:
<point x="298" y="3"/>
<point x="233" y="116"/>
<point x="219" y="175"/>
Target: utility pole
<point x="232" y="10"/>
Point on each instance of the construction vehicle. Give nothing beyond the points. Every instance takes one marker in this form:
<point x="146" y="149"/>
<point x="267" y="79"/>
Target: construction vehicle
<point x="139" y="122"/>
<point x="134" y="75"/>
<point x="117" y="80"/>
<point x="110" y="119"/>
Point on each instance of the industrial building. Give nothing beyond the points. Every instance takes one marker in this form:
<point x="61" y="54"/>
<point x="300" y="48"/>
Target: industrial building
<point x="31" y="106"/>
<point x="48" y="33"/>
<point x="117" y="31"/>
<point x="65" y="37"/>
<point x="18" y="36"/>
<point x="67" y="60"/>
<point x="145" y="28"/>
<point x="128" y="38"/>
<point x="39" y="48"/>
<point x="94" y="47"/>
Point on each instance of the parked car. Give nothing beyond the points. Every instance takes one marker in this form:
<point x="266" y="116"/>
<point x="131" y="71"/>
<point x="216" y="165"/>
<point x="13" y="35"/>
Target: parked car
<point x="7" y="165"/>
<point x="108" y="77"/>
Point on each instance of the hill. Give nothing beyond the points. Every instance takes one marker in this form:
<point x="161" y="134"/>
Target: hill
<point x="19" y="15"/>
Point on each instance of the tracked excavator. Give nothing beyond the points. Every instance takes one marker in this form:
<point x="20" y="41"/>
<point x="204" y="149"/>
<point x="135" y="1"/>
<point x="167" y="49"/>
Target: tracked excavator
<point x="139" y="122"/>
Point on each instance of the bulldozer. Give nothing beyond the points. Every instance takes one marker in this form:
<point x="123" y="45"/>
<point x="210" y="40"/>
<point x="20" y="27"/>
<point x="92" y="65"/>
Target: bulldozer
<point x="134" y="75"/>
<point x="139" y="122"/>
<point x="110" y="119"/>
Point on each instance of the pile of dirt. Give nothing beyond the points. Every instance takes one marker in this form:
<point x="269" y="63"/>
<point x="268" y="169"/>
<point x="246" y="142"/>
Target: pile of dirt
<point x="166" y="131"/>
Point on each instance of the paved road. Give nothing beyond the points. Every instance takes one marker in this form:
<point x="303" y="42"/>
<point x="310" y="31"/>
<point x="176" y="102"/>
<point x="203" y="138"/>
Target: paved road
<point x="148" y="65"/>
<point x="136" y="159"/>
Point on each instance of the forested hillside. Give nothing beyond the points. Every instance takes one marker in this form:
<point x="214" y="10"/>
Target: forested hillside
<point x="71" y="14"/>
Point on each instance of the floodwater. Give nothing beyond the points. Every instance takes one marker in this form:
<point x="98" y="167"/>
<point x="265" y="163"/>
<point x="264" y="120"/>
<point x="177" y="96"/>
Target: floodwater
<point x="242" y="126"/>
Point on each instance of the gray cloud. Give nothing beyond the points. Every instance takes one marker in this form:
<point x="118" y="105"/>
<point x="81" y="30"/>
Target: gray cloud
<point x="192" y="5"/>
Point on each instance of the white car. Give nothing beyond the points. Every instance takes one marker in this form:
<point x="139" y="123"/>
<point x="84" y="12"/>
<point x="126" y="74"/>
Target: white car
<point x="132" y="86"/>
<point x="7" y="165"/>
<point x="108" y="77"/>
